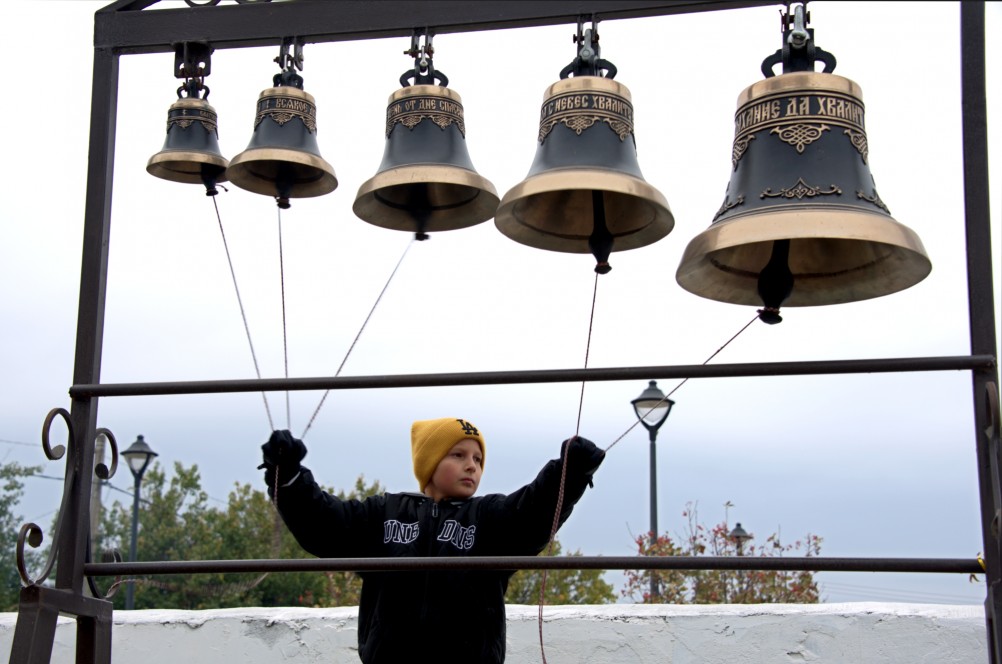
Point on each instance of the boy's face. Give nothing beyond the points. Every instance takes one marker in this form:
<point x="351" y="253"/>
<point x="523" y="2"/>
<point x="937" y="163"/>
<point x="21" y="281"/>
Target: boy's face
<point x="458" y="473"/>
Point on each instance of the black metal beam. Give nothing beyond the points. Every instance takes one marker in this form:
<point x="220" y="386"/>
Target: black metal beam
<point x="808" y="563"/>
<point x="265" y="24"/>
<point x="893" y="365"/>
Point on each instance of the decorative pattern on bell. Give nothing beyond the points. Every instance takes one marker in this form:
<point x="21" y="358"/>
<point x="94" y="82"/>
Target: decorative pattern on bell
<point x="584" y="192"/>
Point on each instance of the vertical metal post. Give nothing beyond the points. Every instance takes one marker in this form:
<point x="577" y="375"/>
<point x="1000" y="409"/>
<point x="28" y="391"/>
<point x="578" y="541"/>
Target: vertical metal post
<point x="130" y="588"/>
<point x="654" y="506"/>
<point x="981" y="303"/>
<point x="39" y="608"/>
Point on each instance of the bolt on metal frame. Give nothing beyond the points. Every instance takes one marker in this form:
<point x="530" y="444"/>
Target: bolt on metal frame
<point x="123" y="28"/>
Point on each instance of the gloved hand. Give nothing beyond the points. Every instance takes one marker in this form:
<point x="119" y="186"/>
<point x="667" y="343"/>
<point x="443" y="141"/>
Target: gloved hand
<point x="283" y="452"/>
<point x="582" y="454"/>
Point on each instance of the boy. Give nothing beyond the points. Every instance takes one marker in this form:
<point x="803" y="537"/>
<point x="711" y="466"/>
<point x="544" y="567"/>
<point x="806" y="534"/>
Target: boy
<point x="440" y="616"/>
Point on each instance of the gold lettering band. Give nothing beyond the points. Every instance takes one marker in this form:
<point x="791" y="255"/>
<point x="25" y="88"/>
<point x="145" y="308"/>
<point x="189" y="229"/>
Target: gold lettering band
<point x="412" y="110"/>
<point x="581" y="110"/>
<point x="829" y="108"/>
<point x="184" y="118"/>
<point x="281" y="109"/>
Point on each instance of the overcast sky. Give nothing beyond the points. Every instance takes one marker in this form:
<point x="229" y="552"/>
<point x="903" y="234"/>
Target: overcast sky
<point x="877" y="465"/>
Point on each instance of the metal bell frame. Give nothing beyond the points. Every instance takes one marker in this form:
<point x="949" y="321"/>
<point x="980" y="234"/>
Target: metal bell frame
<point x="123" y="29"/>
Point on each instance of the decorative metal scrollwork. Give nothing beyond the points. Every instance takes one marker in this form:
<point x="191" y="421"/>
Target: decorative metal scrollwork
<point x="31" y="533"/>
<point x="213" y="3"/>
<point x="800" y="190"/>
<point x="739" y="148"/>
<point x="800" y="135"/>
<point x="858" y="140"/>
<point x="875" y="199"/>
<point x="728" y="204"/>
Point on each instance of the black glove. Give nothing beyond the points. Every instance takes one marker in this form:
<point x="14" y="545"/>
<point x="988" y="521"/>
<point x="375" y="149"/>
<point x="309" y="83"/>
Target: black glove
<point x="582" y="454"/>
<point x="283" y="452"/>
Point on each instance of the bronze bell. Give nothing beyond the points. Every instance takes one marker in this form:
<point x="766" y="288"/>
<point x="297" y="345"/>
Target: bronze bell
<point x="801" y="223"/>
<point x="190" y="153"/>
<point x="584" y="191"/>
<point x="426" y="181"/>
<point x="283" y="158"/>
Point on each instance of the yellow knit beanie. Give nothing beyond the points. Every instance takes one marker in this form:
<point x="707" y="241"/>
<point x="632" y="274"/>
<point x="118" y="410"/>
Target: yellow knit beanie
<point x="431" y="440"/>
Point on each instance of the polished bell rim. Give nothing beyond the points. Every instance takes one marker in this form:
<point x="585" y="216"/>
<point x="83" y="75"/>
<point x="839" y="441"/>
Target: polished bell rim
<point x="193" y="103"/>
<point x="186" y="166"/>
<point x="512" y="223"/>
<point x="380" y="210"/>
<point x="287" y="91"/>
<point x="424" y="91"/>
<point x="585" y="84"/>
<point x="722" y="263"/>
<point x="243" y="172"/>
<point x="809" y="82"/>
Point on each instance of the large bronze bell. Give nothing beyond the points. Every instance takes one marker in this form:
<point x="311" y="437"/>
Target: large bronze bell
<point x="584" y="191"/>
<point x="283" y="157"/>
<point x="190" y="152"/>
<point x="801" y="223"/>
<point x="426" y="181"/>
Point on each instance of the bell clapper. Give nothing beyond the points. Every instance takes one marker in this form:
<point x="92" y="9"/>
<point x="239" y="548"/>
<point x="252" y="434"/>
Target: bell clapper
<point x="775" y="282"/>
<point x="600" y="241"/>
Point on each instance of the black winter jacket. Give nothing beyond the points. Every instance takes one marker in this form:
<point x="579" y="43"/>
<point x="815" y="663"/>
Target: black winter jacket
<point x="439" y="616"/>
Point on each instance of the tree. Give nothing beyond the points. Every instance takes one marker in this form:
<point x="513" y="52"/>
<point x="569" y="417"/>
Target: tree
<point x="582" y="586"/>
<point x="721" y="586"/>
<point x="11" y="490"/>
<point x="176" y="523"/>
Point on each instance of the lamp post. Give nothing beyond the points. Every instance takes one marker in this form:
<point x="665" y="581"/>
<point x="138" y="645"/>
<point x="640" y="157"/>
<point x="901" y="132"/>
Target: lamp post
<point x="138" y="456"/>
<point x="652" y="409"/>
<point x="739" y="535"/>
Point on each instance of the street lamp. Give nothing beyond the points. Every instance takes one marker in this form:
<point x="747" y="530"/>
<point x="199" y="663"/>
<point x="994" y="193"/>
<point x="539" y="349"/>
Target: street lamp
<point x="138" y="456"/>
<point x="652" y="408"/>
<point x="739" y="536"/>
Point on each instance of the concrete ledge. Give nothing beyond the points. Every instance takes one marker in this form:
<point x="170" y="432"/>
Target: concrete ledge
<point x="870" y="633"/>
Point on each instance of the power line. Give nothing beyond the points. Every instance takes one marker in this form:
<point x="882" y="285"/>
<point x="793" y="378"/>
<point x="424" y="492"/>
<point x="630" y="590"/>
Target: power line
<point x="17" y="442"/>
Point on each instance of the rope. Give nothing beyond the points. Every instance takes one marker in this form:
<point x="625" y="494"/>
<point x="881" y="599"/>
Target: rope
<point x="563" y="472"/>
<point x="243" y="314"/>
<point x="684" y="381"/>
<point x="355" y="341"/>
<point x="285" y="337"/>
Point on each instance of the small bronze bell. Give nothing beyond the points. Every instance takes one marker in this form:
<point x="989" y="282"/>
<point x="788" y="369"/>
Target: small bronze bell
<point x="584" y="191"/>
<point x="190" y="153"/>
<point x="801" y="223"/>
<point x="283" y="158"/>
<point x="426" y="181"/>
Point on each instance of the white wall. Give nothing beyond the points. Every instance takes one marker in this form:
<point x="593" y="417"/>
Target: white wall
<point x="858" y="633"/>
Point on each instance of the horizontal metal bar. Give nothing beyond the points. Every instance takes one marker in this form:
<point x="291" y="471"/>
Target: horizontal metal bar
<point x="264" y="24"/>
<point x="810" y="563"/>
<point x="951" y="363"/>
